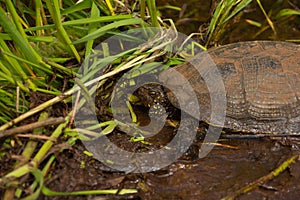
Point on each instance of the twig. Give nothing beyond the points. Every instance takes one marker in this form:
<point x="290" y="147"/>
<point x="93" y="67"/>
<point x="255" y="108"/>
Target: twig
<point x="219" y="145"/>
<point x="257" y="136"/>
<point x="25" y="157"/>
<point x="263" y="179"/>
<point x="28" y="127"/>
<point x="41" y="137"/>
<point x="24" y="169"/>
<point x="37" y="109"/>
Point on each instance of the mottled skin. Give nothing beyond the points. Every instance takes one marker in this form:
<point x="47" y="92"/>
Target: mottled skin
<point x="262" y="84"/>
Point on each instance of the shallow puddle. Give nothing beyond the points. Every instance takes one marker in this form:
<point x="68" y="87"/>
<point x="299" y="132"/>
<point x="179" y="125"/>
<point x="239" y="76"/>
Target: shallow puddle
<point x="231" y="165"/>
<point x="224" y="171"/>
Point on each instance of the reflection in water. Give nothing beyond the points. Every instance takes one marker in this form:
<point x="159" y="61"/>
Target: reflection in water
<point x="195" y="16"/>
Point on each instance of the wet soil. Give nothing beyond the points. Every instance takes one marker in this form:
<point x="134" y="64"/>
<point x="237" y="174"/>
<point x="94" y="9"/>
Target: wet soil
<point x="231" y="165"/>
<point x="223" y="171"/>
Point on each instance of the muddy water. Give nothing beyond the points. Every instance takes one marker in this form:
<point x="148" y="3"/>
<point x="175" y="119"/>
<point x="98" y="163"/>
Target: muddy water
<point x="224" y="171"/>
<point x="195" y="16"/>
<point x="231" y="165"/>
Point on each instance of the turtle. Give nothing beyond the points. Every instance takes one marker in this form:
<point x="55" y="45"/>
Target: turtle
<point x="261" y="80"/>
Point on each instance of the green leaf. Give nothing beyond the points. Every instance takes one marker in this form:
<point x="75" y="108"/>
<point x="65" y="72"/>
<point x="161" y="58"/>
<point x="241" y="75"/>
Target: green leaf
<point x="238" y="8"/>
<point x="100" y="19"/>
<point x="253" y="23"/>
<point x="287" y="12"/>
<point x="77" y="7"/>
<point x="101" y="31"/>
<point x="38" y="175"/>
<point x="109" y="128"/>
<point x="62" y="34"/>
<point x="92" y="27"/>
<point x="13" y="32"/>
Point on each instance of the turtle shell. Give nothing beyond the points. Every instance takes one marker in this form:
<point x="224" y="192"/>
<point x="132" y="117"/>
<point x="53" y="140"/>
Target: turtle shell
<point x="261" y="81"/>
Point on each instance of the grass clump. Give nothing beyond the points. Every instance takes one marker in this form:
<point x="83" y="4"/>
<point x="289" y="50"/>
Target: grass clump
<point x="42" y="45"/>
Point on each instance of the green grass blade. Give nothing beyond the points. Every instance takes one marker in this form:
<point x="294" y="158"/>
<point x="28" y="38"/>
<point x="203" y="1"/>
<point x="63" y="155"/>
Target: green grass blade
<point x="215" y="19"/>
<point x="110" y="7"/>
<point x="16" y="19"/>
<point x="102" y="7"/>
<point x="253" y="23"/>
<point x="14" y="66"/>
<point x="267" y="17"/>
<point x="143" y="9"/>
<point x="38" y="16"/>
<point x="42" y="68"/>
<point x="54" y="10"/>
<point x="287" y="12"/>
<point x="240" y="6"/>
<point x="96" y="19"/>
<point x="24" y="46"/>
<point x="153" y="12"/>
<point x="5" y="73"/>
<point x="100" y="19"/>
<point x="92" y="27"/>
<point x="101" y="31"/>
<point x="77" y="7"/>
<point x="225" y="11"/>
<point x="49" y="192"/>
